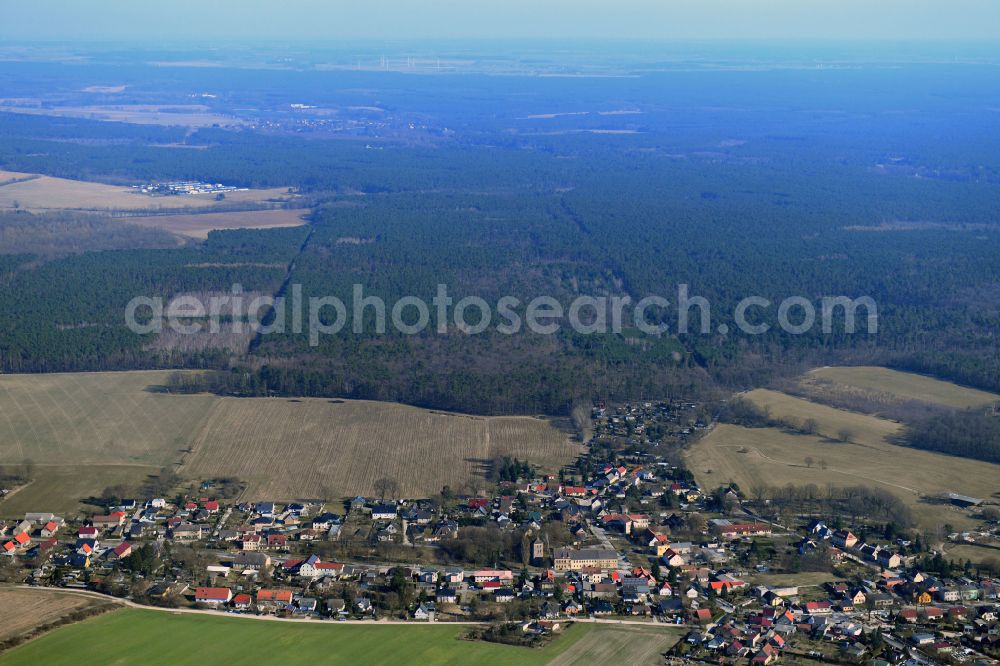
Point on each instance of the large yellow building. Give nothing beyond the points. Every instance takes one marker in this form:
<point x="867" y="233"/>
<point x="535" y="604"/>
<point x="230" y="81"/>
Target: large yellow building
<point x="568" y="559"/>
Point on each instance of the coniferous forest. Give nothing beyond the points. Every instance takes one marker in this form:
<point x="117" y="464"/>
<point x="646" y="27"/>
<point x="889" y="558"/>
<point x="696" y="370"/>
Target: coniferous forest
<point x="730" y="184"/>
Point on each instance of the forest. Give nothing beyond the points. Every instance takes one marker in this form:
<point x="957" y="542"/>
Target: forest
<point x="776" y="183"/>
<point x="967" y="433"/>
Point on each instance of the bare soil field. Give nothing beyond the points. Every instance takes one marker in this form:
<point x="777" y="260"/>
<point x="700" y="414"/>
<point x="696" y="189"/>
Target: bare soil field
<point x="44" y="193"/>
<point x="37" y="609"/>
<point x="308" y="448"/>
<point x="901" y="385"/>
<point x="620" y="644"/>
<point x="199" y="224"/>
<point x="755" y="456"/>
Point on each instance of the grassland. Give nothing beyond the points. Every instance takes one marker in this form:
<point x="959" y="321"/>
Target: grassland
<point x="35" y="610"/>
<point x="45" y="193"/>
<point x="831" y="422"/>
<point x="773" y="457"/>
<point x="82" y="432"/>
<point x="321" y="448"/>
<point x="621" y="644"/>
<point x="198" y="225"/>
<point x="850" y="448"/>
<point x="63" y="489"/>
<point x="975" y="553"/>
<point x="131" y="636"/>
<point x="902" y="385"/>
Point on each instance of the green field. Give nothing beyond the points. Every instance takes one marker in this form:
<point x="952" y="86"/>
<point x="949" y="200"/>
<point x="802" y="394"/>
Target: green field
<point x="132" y="636"/>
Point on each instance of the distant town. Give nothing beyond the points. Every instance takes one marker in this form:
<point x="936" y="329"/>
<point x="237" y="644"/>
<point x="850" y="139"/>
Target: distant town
<point x="186" y="187"/>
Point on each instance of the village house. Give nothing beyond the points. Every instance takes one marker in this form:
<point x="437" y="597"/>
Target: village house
<point x="121" y="551"/>
<point x="271" y="600"/>
<point x="186" y="532"/>
<point x="502" y="576"/>
<point x="109" y="521"/>
<point x="277" y="541"/>
<point x="844" y="539"/>
<point x="50" y="529"/>
<point x="213" y="596"/>
<point x="251" y="561"/>
<point x="741" y="530"/>
<point x="384" y="512"/>
<point x="250" y="542"/>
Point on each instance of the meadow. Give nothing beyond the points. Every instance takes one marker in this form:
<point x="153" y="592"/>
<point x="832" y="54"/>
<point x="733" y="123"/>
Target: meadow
<point x="829" y="421"/>
<point x="64" y="489"/>
<point x="132" y="636"/>
<point x="774" y="457"/>
<point x="899" y="385"/>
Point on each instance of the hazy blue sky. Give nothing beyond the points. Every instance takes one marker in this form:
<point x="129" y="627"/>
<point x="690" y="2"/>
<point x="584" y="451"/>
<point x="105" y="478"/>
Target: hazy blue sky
<point x="414" y="19"/>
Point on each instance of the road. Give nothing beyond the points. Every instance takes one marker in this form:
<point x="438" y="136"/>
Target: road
<point x="270" y="618"/>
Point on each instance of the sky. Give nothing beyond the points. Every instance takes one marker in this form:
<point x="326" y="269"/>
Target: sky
<point x="337" y="20"/>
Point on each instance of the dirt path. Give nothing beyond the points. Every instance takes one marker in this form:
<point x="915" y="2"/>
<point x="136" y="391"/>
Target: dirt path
<point x="16" y="490"/>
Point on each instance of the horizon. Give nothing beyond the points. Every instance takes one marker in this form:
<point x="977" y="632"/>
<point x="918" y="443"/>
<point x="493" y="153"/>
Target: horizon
<point x="306" y="20"/>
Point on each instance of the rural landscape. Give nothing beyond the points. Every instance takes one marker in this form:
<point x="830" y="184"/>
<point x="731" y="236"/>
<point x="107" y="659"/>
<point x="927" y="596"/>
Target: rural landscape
<point x="662" y="333"/>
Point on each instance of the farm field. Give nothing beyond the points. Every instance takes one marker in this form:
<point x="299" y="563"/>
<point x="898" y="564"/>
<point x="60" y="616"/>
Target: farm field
<point x="901" y="385"/>
<point x="831" y="422"/>
<point x="82" y="432"/>
<point x="37" y="609"/>
<point x="97" y="418"/>
<point x="43" y="193"/>
<point x="776" y="458"/>
<point x="324" y="448"/>
<point x="198" y="225"/>
<point x="61" y="489"/>
<point x="150" y="637"/>
<point x="185" y="115"/>
<point x="623" y="644"/>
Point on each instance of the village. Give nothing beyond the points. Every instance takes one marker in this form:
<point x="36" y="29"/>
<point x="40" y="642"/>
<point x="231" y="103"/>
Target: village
<point x="624" y="535"/>
<point x="186" y="187"/>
